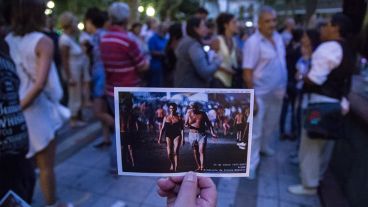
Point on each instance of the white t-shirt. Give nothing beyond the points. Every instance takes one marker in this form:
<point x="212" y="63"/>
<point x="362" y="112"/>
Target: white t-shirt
<point x="327" y="57"/>
<point x="267" y="62"/>
<point x="77" y="57"/>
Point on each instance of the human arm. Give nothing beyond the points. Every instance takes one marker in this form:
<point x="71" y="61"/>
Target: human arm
<point x="250" y="59"/>
<point x="248" y="82"/>
<point x="204" y="68"/>
<point x="44" y="52"/>
<point x="137" y="56"/>
<point x="182" y="133"/>
<point x="188" y="190"/>
<point x="161" y="130"/>
<point x="65" y="49"/>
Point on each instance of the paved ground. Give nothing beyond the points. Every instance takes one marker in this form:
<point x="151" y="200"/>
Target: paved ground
<point x="152" y="157"/>
<point x="83" y="178"/>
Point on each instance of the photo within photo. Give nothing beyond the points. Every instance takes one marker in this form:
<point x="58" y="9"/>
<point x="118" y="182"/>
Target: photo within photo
<point x="167" y="131"/>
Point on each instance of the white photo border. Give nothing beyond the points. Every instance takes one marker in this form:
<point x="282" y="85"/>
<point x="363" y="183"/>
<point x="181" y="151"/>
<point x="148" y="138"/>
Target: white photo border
<point x="117" y="90"/>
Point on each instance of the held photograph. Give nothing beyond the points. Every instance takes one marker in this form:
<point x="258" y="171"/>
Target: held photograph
<point x="170" y="131"/>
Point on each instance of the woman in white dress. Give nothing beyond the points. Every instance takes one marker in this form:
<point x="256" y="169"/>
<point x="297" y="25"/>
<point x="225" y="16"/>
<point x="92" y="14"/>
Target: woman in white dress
<point x="32" y="52"/>
<point x="225" y="47"/>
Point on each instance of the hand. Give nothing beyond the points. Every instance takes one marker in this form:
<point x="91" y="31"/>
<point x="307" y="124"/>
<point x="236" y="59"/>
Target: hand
<point x="190" y="191"/>
<point x="298" y="76"/>
<point x="23" y="105"/>
<point x="345" y="106"/>
<point x="215" y="45"/>
<point x="159" y="141"/>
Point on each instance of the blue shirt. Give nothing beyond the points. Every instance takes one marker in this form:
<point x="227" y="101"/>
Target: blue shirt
<point x="156" y="44"/>
<point x="97" y="65"/>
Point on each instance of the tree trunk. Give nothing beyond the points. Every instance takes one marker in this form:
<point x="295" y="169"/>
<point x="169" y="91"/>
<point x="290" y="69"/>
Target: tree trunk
<point x="133" y="5"/>
<point x="172" y="6"/>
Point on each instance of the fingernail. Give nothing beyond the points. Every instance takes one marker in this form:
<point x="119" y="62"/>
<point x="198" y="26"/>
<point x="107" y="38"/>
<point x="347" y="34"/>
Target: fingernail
<point x="191" y="177"/>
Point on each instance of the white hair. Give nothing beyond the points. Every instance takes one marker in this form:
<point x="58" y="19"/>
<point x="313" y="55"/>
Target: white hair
<point x="266" y="10"/>
<point x="119" y="13"/>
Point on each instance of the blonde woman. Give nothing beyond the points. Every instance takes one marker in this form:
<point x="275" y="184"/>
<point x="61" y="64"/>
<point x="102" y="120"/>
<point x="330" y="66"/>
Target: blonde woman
<point x="75" y="64"/>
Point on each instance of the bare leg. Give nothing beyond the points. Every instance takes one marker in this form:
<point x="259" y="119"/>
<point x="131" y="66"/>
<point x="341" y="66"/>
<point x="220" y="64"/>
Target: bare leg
<point x="225" y="129"/>
<point x="131" y="154"/>
<point x="100" y="108"/>
<point x="195" y="151"/>
<point x="177" y="141"/>
<point x="201" y="155"/>
<point x="106" y="133"/>
<point x="45" y="162"/>
<point x="169" y="144"/>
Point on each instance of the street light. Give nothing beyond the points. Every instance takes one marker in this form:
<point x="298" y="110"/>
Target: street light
<point x="48" y="11"/>
<point x="141" y="9"/>
<point x="150" y="11"/>
<point x="81" y="26"/>
<point x="249" y="23"/>
<point x="50" y="4"/>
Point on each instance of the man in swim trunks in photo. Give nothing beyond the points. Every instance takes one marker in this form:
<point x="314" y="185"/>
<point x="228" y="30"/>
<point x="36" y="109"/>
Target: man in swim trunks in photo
<point x="197" y="122"/>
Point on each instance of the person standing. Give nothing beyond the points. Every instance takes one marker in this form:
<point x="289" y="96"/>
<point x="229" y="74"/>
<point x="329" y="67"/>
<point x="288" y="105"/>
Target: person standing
<point x="194" y="67"/>
<point x="174" y="133"/>
<point x="122" y="70"/>
<point x="17" y="173"/>
<point x="75" y="65"/>
<point x="156" y="45"/>
<point x="95" y="20"/>
<point x="197" y="121"/>
<point x="175" y="35"/>
<point x="328" y="82"/>
<point x="287" y="33"/>
<point x="264" y="69"/>
<point x="225" y="46"/>
<point x="32" y="53"/>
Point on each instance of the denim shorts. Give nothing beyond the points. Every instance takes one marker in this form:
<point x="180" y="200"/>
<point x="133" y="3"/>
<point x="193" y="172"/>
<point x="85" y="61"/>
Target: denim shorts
<point x="98" y="81"/>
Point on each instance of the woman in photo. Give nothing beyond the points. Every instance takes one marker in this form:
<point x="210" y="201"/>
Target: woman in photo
<point x="174" y="133"/>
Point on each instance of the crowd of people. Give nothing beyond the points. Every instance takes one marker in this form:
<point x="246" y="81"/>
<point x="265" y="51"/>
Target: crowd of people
<point x="292" y="68"/>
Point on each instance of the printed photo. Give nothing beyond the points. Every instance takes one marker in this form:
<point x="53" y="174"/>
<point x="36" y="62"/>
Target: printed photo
<point x="168" y="131"/>
<point x="11" y="199"/>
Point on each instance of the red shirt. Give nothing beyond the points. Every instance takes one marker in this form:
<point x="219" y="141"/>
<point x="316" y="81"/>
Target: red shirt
<point x="121" y="57"/>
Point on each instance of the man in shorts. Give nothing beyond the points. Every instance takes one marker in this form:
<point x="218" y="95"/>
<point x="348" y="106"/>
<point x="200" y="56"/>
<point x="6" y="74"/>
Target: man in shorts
<point x="197" y="122"/>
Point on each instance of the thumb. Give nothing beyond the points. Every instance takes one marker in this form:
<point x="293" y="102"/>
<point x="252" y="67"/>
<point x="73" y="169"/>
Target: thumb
<point x="188" y="191"/>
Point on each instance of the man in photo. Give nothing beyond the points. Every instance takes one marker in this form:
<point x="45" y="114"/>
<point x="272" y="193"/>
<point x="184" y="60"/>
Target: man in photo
<point x="128" y="126"/>
<point x="239" y="124"/>
<point x="197" y="121"/>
